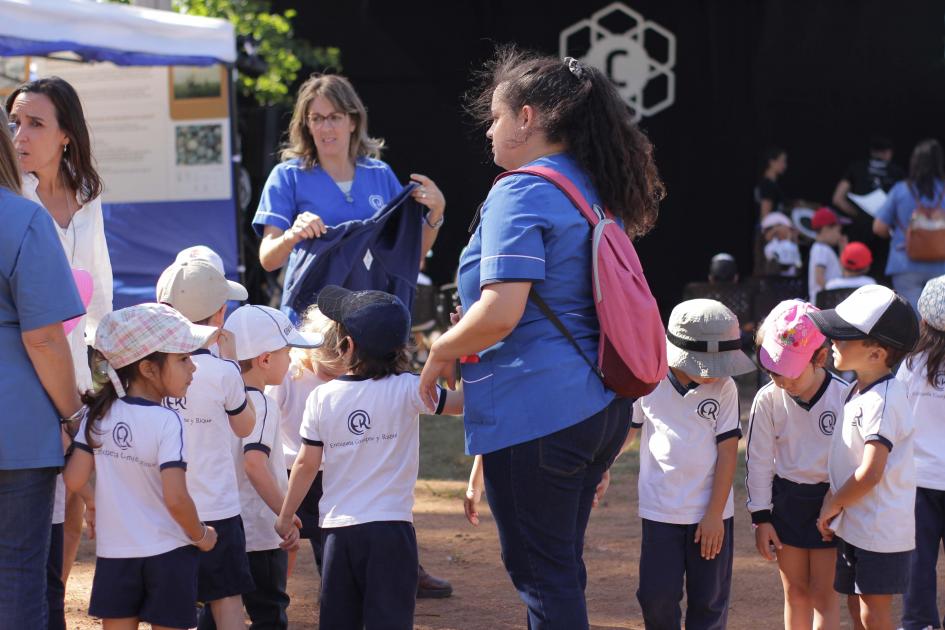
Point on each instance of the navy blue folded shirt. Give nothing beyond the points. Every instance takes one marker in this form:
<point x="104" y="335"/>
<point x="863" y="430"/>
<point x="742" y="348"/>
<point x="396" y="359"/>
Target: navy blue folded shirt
<point x="381" y="253"/>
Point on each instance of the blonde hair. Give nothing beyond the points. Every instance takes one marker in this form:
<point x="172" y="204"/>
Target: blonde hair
<point x="9" y="166"/>
<point x="339" y="91"/>
<point x="326" y="356"/>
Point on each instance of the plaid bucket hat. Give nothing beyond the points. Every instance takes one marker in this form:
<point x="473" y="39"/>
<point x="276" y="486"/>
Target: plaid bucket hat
<point x="130" y="334"/>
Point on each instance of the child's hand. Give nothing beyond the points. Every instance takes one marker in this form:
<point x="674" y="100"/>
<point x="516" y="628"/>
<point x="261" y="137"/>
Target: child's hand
<point x="828" y="512"/>
<point x="208" y="541"/>
<point x="226" y="342"/>
<point x="285" y="526"/>
<point x="434" y="369"/>
<point x="601" y="488"/>
<point x="711" y="533"/>
<point x="471" y="503"/>
<point x="290" y="542"/>
<point x="766" y="538"/>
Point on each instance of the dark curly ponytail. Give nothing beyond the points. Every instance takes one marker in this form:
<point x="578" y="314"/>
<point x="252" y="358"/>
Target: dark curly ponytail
<point x="580" y="107"/>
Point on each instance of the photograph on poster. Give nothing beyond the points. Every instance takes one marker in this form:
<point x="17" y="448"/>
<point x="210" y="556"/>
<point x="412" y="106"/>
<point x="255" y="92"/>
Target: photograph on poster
<point x="197" y="92"/>
<point x="199" y="144"/>
<point x="193" y="82"/>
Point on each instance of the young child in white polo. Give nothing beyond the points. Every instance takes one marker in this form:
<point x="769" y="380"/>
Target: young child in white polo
<point x="147" y="529"/>
<point x="923" y="375"/>
<point x="263" y="338"/>
<point x="871" y="506"/>
<point x="688" y="453"/>
<point x="216" y="407"/>
<point x="366" y="426"/>
<point x="789" y="434"/>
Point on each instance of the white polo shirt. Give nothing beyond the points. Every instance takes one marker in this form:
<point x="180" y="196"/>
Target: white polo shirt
<point x="789" y="438"/>
<point x="259" y="520"/>
<point x="883" y="520"/>
<point x="928" y="411"/>
<point x="822" y="255"/>
<point x="215" y="394"/>
<point x="682" y="428"/>
<point x="290" y="397"/>
<point x="136" y="440"/>
<point x="369" y="430"/>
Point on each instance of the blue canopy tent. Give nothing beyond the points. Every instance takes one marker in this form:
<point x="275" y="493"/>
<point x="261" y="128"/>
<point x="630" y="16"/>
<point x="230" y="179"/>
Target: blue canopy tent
<point x="143" y="236"/>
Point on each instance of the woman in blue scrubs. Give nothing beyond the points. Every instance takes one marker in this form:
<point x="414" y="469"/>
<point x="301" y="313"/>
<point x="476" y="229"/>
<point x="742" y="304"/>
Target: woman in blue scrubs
<point x="546" y="426"/>
<point x="330" y="173"/>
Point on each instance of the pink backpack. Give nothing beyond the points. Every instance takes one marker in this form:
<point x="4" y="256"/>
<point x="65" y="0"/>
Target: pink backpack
<point x="631" y="357"/>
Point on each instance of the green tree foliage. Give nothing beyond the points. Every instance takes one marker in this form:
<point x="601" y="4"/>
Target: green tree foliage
<point x="275" y="43"/>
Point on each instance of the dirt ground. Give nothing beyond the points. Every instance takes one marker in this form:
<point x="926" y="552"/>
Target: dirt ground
<point x="483" y="595"/>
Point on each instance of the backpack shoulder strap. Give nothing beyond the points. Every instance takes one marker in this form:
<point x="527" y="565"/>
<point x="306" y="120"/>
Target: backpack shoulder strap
<point x="593" y="216"/>
<point x="566" y="186"/>
<point x="549" y="314"/>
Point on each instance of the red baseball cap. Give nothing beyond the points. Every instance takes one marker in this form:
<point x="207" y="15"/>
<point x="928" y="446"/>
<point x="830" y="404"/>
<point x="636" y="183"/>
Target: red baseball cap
<point x="824" y="217"/>
<point x="856" y="257"/>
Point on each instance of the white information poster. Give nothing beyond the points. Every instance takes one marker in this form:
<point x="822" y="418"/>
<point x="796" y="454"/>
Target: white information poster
<point x="142" y="151"/>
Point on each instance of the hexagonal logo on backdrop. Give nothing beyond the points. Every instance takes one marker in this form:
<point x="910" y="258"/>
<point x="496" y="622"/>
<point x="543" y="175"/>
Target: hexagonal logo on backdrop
<point x="638" y="55"/>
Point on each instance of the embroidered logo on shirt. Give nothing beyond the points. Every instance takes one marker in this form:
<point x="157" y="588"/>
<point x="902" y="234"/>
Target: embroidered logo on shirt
<point x="176" y="403"/>
<point x="359" y="422"/>
<point x="376" y="201"/>
<point x="828" y="420"/>
<point x="708" y="409"/>
<point x="858" y="418"/>
<point x="121" y="434"/>
<point x="938" y="381"/>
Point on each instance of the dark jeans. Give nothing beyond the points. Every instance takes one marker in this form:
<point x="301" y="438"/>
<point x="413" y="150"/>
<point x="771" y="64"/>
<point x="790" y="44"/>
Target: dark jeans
<point x="369" y="579"/>
<point x="55" y="589"/>
<point x="919" y="608"/>
<point x="540" y="493"/>
<point x="668" y="559"/>
<point x="25" y="523"/>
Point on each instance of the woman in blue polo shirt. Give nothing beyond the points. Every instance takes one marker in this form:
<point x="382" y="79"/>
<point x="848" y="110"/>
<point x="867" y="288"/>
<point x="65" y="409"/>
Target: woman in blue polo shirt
<point x="330" y="173"/>
<point x="544" y="422"/>
<point x="37" y="389"/>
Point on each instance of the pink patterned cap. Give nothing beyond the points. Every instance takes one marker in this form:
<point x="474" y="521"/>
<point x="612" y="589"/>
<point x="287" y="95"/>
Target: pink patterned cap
<point x="130" y="334"/>
<point x="790" y="338"/>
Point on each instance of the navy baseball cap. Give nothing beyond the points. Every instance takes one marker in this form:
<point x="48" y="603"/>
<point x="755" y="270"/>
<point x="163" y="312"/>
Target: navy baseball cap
<point x="378" y="322"/>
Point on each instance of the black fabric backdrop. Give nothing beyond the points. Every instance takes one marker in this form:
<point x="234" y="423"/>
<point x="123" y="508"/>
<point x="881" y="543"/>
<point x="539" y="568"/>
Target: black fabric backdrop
<point x="817" y="78"/>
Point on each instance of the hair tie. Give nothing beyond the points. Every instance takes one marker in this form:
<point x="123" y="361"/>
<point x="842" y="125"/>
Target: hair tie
<point x="577" y="68"/>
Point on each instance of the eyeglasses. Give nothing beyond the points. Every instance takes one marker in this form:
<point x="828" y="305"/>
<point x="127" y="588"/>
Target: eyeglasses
<point x="332" y="120"/>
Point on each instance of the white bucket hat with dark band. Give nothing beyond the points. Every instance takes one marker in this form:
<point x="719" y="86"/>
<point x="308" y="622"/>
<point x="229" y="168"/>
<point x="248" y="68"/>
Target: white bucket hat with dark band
<point x="703" y="339"/>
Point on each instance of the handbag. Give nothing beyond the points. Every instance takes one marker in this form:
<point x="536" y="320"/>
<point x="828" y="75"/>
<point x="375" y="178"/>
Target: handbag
<point x="925" y="234"/>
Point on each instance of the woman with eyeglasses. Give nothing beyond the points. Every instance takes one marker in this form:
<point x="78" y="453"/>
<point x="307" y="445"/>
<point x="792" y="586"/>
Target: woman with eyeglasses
<point x="331" y="173"/>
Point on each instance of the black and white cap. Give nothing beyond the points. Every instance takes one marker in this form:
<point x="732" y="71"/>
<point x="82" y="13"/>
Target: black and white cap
<point x="871" y="311"/>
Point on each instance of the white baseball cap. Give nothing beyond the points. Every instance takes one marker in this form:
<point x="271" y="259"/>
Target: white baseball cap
<point x="260" y="329"/>
<point x="201" y="252"/>
<point x="197" y="289"/>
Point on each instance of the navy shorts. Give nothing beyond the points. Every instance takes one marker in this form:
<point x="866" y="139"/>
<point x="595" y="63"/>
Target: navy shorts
<point x="862" y="572"/>
<point x="224" y="570"/>
<point x="160" y="590"/>
<point x="796" y="507"/>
